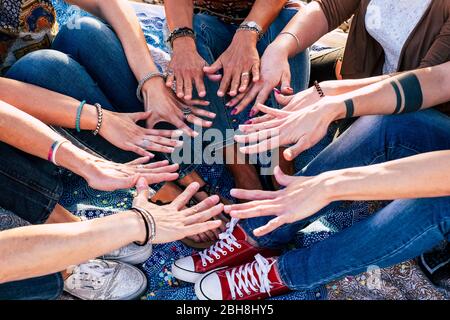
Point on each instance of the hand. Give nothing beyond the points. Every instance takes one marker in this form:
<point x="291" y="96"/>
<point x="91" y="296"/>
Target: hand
<point x="186" y="69"/>
<point x="303" y="129"/>
<point x="121" y="130"/>
<point x="275" y="71"/>
<point x="173" y="221"/>
<point x="302" y="198"/>
<point x="166" y="107"/>
<point x="240" y="64"/>
<point x="105" y="175"/>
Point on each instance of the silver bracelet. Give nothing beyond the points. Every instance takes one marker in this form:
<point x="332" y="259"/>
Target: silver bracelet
<point x="149" y="76"/>
<point x="294" y="36"/>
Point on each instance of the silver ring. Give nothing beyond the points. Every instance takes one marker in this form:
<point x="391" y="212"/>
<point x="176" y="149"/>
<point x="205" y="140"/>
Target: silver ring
<point x="245" y="74"/>
<point x="145" y="143"/>
<point x="140" y="166"/>
<point x="186" y="113"/>
<point x="169" y="72"/>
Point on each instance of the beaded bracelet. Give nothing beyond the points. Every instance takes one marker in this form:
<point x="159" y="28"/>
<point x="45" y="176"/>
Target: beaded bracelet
<point x="150" y="225"/>
<point x="99" y="118"/>
<point x="54" y="149"/>
<point x="319" y="89"/>
<point x="78" y="118"/>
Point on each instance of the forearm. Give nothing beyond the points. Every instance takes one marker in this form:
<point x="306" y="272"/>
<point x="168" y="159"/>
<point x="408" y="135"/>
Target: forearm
<point x="30" y="135"/>
<point x="50" y="107"/>
<point x="338" y="87"/>
<point x="408" y="92"/>
<point x="264" y="12"/>
<point x="39" y="250"/>
<point x="422" y="176"/>
<point x="121" y="16"/>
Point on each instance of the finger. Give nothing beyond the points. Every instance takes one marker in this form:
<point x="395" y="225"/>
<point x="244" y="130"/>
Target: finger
<point x="200" y="228"/>
<point x="235" y="82"/>
<point x="138" y="116"/>
<point x="198" y="121"/>
<point x="177" y="122"/>
<point x="249" y="128"/>
<point x="200" y="86"/>
<point x="214" y="68"/>
<point x="138" y="150"/>
<point x="164" y="133"/>
<point x="292" y="152"/>
<point x="164" y="141"/>
<point x="197" y="102"/>
<point x="286" y="83"/>
<point x="236" y="100"/>
<point x="261" y="119"/>
<point x="205" y="215"/>
<point x="187" y="88"/>
<point x="253" y="194"/>
<point x="158" y="164"/>
<point x="245" y="80"/>
<point x="256" y="72"/>
<point x="282" y="178"/>
<point x="179" y="86"/>
<point x="161" y="177"/>
<point x="224" y="84"/>
<point x="263" y="146"/>
<point x="214" y="77"/>
<point x="261" y="98"/>
<point x="247" y="100"/>
<point x="138" y="161"/>
<point x="282" y="99"/>
<point x="204" y="205"/>
<point x="183" y="199"/>
<point x="269" y="227"/>
<point x="259" y="211"/>
<point x="142" y="190"/>
<point x="257" y="136"/>
<point x="170" y="80"/>
<point x="166" y="169"/>
<point x="203" y="113"/>
<point x="272" y="111"/>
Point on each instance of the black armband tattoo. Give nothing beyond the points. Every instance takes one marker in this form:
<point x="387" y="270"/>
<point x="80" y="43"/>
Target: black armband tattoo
<point x="408" y="92"/>
<point x="350" y="106"/>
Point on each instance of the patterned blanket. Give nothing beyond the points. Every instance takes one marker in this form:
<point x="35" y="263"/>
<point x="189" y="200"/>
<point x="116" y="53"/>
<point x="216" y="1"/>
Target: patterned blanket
<point x="400" y="282"/>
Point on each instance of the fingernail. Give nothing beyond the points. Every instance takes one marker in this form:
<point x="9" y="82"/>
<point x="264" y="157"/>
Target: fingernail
<point x="234" y="112"/>
<point x="253" y="113"/>
<point x="228" y="104"/>
<point x="248" y="122"/>
<point x="220" y="93"/>
<point x="277" y="91"/>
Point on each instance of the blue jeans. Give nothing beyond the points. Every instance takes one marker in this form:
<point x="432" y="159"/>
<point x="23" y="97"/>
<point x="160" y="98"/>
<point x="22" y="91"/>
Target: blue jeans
<point x="47" y="287"/>
<point x="402" y="230"/>
<point x="214" y="37"/>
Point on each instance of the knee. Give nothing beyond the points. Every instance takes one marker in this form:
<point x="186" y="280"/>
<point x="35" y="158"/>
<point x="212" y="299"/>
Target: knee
<point x="35" y="67"/>
<point x="80" y="32"/>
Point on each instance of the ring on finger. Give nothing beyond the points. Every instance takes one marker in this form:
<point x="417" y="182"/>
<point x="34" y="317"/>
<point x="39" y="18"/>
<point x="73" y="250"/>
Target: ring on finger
<point x="245" y="74"/>
<point x="187" y="112"/>
<point x="145" y="143"/>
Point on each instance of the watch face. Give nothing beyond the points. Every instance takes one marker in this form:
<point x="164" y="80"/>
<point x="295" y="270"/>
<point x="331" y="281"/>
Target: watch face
<point x="252" y="24"/>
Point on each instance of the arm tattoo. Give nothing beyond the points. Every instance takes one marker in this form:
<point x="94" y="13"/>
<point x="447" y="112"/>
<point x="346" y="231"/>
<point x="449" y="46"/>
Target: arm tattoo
<point x="349" y="105"/>
<point x="408" y="92"/>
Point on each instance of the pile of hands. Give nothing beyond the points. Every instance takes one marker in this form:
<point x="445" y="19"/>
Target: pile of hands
<point x="245" y="78"/>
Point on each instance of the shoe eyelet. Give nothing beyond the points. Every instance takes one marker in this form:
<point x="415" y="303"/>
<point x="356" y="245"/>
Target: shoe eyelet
<point x="241" y="295"/>
<point x="224" y="253"/>
<point x="239" y="246"/>
<point x="204" y="264"/>
<point x="232" y="250"/>
<point x="218" y="257"/>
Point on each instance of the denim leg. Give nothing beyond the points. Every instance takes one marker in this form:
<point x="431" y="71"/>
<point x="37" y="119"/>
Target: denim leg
<point x="96" y="47"/>
<point x="401" y="231"/>
<point x="370" y="140"/>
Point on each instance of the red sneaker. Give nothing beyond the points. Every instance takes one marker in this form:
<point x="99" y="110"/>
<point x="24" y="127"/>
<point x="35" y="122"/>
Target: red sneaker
<point x="252" y="281"/>
<point x="231" y="250"/>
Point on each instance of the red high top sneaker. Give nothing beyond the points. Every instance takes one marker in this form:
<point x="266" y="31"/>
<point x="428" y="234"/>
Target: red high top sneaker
<point x="252" y="281"/>
<point x="231" y="250"/>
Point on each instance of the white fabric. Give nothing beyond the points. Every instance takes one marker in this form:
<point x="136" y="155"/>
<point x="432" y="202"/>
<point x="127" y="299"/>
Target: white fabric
<point x="391" y="22"/>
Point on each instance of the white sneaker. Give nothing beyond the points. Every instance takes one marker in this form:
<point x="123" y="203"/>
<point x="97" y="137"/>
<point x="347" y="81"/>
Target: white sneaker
<point x="105" y="280"/>
<point x="131" y="254"/>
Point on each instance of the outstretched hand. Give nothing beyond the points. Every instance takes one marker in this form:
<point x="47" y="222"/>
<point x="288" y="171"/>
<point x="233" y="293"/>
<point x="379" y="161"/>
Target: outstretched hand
<point x="175" y="222"/>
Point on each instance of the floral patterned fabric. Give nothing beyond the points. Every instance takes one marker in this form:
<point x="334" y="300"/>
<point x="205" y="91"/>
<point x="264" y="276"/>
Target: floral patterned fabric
<point x="25" y="26"/>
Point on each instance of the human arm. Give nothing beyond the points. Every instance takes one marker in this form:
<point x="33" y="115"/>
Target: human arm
<point x="408" y="92"/>
<point x="43" y="249"/>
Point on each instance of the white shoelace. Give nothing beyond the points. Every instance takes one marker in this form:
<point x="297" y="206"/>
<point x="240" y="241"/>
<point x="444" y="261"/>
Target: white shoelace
<point x="227" y="240"/>
<point x="243" y="279"/>
<point x="90" y="275"/>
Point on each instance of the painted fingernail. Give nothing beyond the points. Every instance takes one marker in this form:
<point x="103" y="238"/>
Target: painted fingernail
<point x="253" y="113"/>
<point x="228" y="104"/>
<point x="248" y="122"/>
<point x="277" y="91"/>
<point x="234" y="112"/>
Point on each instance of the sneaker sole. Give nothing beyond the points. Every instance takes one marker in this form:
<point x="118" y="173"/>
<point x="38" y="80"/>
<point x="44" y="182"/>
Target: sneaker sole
<point x="198" y="288"/>
<point x="185" y="275"/>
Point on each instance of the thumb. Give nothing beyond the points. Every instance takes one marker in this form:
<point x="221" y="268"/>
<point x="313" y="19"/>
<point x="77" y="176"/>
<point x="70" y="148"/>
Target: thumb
<point x="282" y="99"/>
<point x="282" y="178"/>
<point x="286" y="83"/>
<point x="143" y="193"/>
<point x="138" y="116"/>
<point x="214" y="68"/>
<point x="292" y="152"/>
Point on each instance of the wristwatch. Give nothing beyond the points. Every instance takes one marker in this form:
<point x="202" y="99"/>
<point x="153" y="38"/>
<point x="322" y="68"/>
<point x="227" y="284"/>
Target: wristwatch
<point x="252" y="26"/>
